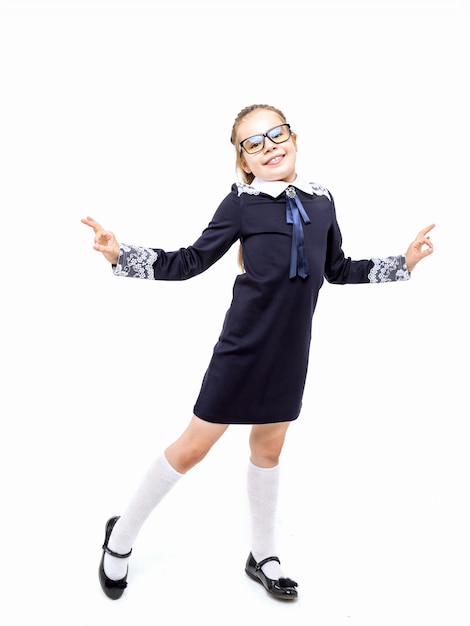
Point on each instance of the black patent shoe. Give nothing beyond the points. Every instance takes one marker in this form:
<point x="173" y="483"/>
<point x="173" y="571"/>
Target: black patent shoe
<point x="112" y="588"/>
<point x="283" y="588"/>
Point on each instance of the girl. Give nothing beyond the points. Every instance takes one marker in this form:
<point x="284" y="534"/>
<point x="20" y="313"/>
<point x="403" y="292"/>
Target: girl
<point x="289" y="243"/>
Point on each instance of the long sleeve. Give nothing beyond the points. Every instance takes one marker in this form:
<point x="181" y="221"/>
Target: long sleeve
<point x="157" y="264"/>
<point x="341" y="270"/>
<point x="389" y="269"/>
<point x="135" y="262"/>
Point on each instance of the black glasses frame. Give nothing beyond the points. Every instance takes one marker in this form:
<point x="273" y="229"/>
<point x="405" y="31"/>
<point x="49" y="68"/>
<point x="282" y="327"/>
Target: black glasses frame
<point x="266" y="135"/>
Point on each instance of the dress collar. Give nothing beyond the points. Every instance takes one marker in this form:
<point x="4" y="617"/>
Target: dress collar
<point x="275" y="188"/>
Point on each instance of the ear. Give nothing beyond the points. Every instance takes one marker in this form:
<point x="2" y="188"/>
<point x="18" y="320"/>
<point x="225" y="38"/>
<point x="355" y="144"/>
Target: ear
<point x="294" y="140"/>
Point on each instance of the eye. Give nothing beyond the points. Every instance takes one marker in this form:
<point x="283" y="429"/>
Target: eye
<point x="275" y="132"/>
<point x="253" y="142"/>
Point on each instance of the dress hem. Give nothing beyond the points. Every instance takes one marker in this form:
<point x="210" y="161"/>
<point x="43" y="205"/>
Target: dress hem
<point x="247" y="421"/>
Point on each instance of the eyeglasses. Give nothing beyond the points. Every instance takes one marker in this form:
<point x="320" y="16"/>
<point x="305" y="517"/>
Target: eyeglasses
<point x="255" y="143"/>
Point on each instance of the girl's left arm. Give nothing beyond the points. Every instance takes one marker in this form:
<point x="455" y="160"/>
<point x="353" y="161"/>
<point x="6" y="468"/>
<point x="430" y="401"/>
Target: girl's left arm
<point x="343" y="270"/>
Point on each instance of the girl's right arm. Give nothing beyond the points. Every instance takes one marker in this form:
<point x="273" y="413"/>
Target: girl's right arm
<point x="158" y="264"/>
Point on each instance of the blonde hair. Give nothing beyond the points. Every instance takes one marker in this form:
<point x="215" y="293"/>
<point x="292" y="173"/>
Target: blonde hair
<point x="247" y="177"/>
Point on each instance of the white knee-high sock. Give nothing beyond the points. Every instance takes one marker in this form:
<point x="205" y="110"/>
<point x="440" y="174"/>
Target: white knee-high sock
<point x="158" y="481"/>
<point x="263" y="488"/>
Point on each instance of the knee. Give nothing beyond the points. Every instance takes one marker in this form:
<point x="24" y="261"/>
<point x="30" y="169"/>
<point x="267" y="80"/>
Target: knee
<point x="265" y="454"/>
<point x="185" y="458"/>
<point x="264" y="458"/>
<point x="194" y="444"/>
<point x="266" y="445"/>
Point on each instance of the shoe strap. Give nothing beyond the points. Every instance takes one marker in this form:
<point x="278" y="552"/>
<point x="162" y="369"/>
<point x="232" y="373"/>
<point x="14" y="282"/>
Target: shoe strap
<point x="264" y="561"/>
<point x="118" y="556"/>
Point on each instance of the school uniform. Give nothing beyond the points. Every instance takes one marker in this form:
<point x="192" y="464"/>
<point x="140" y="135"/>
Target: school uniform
<point x="291" y="244"/>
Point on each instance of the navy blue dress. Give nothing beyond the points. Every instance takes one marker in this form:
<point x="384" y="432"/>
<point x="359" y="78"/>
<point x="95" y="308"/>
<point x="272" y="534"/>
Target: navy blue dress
<point x="259" y="364"/>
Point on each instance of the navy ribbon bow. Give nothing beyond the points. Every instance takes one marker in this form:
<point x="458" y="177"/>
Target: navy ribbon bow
<point x="298" y="255"/>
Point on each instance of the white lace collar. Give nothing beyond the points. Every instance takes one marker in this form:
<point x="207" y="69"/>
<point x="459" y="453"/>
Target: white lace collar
<point x="275" y="188"/>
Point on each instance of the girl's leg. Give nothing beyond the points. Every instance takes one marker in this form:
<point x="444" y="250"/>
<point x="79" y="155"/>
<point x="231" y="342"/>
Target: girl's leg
<point x="194" y="444"/>
<point x="166" y="470"/>
<point x="266" y="442"/>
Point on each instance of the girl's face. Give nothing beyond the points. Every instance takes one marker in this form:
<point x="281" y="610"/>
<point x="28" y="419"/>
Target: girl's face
<point x="275" y="161"/>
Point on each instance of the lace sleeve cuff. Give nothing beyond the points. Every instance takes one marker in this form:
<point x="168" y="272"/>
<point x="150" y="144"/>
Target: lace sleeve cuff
<point x="388" y="270"/>
<point x="135" y="262"/>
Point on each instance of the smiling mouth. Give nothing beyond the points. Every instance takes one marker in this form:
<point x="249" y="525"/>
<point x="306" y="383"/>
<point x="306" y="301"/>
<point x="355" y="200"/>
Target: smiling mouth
<point x="275" y="160"/>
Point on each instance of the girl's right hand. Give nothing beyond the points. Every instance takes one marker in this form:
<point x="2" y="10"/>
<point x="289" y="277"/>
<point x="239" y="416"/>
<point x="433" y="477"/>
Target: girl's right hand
<point x="105" y="241"/>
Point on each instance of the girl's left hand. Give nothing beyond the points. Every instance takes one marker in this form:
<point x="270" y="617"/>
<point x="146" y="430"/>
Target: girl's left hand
<point x="419" y="248"/>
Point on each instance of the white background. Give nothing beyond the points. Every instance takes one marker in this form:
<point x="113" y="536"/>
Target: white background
<point x="123" y="111"/>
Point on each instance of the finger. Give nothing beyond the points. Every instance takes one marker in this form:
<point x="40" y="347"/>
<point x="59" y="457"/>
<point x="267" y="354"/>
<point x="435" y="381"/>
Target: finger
<point x="421" y="245"/>
<point x="426" y="252"/>
<point x="89" y="221"/>
<point x="425" y="248"/>
<point x="425" y="231"/>
<point x="102" y="237"/>
<point x="102" y="247"/>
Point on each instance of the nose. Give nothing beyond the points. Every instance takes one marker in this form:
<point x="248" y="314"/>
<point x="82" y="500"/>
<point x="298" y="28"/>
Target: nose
<point x="268" y="146"/>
